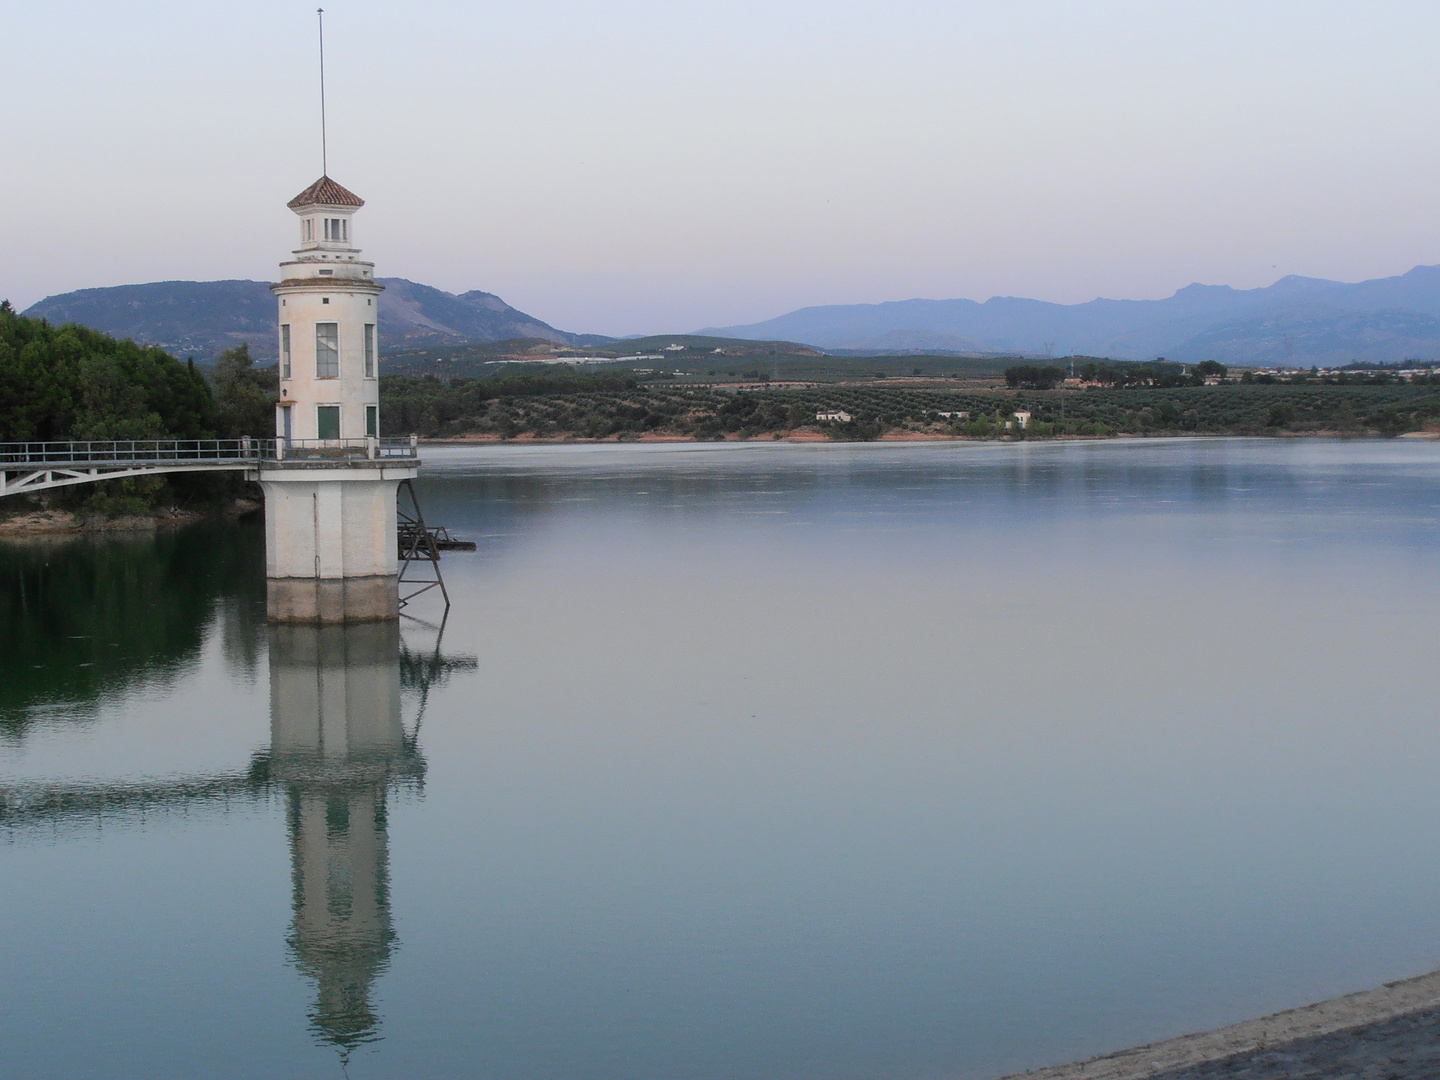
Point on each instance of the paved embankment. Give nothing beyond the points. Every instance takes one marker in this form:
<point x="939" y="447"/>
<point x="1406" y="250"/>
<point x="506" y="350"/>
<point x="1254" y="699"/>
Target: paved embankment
<point x="1392" y="1032"/>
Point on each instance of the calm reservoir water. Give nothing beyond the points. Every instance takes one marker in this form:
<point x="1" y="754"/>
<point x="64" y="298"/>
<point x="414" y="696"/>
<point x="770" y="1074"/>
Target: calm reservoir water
<point x="753" y="761"/>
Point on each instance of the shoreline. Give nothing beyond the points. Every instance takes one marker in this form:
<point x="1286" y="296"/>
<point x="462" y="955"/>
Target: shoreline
<point x="1263" y="1036"/>
<point x="809" y="437"/>
<point x="55" y="523"/>
<point x="60" y="524"/>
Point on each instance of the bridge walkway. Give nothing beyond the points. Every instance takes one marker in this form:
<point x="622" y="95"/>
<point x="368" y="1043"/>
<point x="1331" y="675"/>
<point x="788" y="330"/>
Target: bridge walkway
<point x="27" y="467"/>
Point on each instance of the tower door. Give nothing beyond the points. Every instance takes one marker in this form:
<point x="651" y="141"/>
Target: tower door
<point x="287" y="428"/>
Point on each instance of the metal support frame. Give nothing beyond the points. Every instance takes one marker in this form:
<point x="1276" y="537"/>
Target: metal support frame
<point x="417" y="546"/>
<point x="21" y="482"/>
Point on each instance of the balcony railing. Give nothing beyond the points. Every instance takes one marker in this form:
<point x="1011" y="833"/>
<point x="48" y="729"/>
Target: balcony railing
<point x="371" y="449"/>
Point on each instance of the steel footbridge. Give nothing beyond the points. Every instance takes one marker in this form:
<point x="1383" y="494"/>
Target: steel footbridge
<point x="27" y="467"/>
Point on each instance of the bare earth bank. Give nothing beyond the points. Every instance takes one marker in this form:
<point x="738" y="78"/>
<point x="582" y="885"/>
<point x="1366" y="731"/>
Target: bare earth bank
<point x="51" y="522"/>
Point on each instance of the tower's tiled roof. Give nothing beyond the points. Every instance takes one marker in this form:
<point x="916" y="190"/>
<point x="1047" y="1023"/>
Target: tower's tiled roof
<point x="325" y="192"/>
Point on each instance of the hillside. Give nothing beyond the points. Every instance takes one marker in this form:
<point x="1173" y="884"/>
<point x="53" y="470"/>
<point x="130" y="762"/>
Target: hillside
<point x="1300" y="320"/>
<point x="1297" y="320"/>
<point x="203" y="318"/>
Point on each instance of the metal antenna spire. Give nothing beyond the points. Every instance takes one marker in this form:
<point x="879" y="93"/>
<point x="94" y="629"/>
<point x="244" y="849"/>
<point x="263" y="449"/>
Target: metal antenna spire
<point x="324" y="150"/>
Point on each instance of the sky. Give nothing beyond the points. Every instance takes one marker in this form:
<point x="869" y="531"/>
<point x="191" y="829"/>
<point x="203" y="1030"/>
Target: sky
<point x="639" y="167"/>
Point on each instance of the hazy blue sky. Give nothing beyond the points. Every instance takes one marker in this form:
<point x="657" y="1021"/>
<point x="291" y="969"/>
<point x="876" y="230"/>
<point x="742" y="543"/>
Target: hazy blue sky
<point x="638" y="166"/>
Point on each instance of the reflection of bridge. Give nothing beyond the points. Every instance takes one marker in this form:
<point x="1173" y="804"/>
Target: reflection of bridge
<point x="338" y="748"/>
<point x="38" y="466"/>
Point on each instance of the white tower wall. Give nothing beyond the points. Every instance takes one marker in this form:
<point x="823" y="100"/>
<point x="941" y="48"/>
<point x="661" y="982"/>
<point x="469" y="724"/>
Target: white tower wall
<point x="327" y="296"/>
<point x="352" y="311"/>
<point x="330" y="540"/>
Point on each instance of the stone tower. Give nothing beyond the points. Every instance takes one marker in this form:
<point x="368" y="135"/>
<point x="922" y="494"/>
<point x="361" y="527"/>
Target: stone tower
<point x="330" y="517"/>
<point x="329" y="349"/>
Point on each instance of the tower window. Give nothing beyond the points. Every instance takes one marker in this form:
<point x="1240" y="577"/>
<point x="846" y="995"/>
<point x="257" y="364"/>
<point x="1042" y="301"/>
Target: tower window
<point x="336" y="229"/>
<point x="327" y="421"/>
<point x="285" y="351"/>
<point x="309" y="230"/>
<point x="327" y="351"/>
<point x="369" y="350"/>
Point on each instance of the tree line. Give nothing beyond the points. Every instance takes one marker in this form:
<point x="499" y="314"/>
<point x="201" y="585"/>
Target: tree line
<point x="1115" y="373"/>
<point x="69" y="382"/>
<point x="618" y="409"/>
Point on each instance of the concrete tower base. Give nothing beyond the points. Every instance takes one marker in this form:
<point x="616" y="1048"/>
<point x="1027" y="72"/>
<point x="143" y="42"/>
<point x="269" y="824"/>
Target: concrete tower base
<point x="330" y="547"/>
<point x="325" y="601"/>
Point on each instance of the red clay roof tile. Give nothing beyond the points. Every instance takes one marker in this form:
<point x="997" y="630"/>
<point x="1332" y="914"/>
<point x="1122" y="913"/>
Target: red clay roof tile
<point x="325" y="192"/>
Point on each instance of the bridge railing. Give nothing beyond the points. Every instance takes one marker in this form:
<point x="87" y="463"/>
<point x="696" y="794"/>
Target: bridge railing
<point x="99" y="453"/>
<point x="123" y="453"/>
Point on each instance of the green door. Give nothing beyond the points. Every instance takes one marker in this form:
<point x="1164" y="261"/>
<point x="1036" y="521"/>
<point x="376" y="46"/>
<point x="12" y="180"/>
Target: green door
<point x="327" y="422"/>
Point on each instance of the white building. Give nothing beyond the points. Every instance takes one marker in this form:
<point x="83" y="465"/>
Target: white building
<point x="330" y="516"/>
<point x="1022" y="417"/>
<point x="834" y="416"/>
<point x="329" y="345"/>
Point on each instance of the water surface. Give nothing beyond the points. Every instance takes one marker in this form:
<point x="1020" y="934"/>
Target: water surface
<point x="759" y="761"/>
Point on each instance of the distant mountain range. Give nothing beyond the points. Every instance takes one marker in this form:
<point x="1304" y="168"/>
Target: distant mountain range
<point x="204" y="318"/>
<point x="1297" y="320"/>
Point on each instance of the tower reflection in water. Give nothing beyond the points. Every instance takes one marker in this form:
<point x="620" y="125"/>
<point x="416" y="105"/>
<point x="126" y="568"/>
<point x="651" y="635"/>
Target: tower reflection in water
<point x="341" y="752"/>
<point x="338" y="751"/>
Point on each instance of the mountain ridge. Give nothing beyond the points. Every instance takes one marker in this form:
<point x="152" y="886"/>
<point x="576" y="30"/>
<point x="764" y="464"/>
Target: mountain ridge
<point x="1297" y="319"/>
<point x="203" y="318"/>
